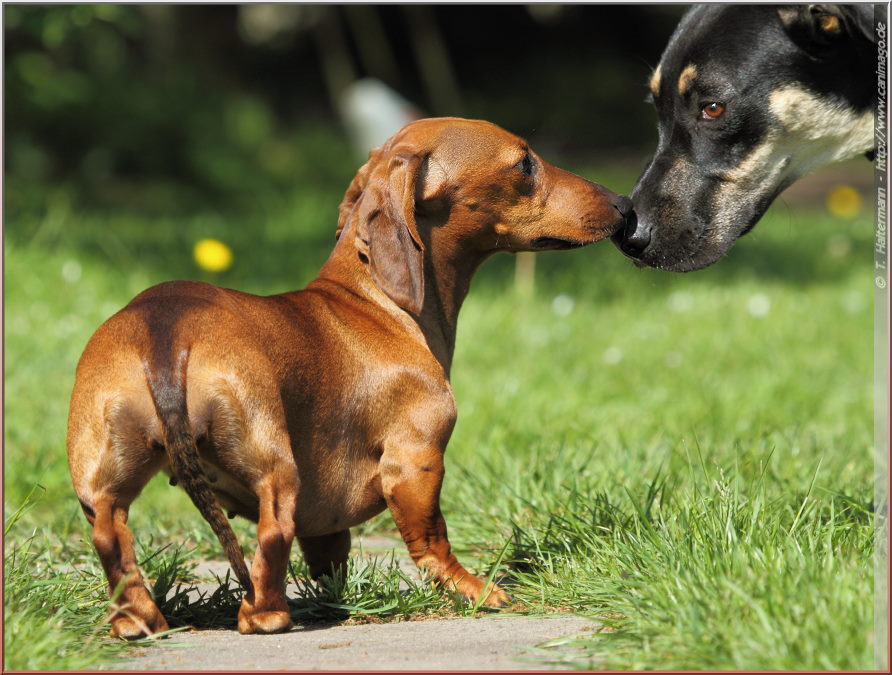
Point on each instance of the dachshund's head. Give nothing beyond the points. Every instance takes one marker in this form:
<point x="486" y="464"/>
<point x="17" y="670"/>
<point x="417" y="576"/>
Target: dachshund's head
<point x="469" y="188"/>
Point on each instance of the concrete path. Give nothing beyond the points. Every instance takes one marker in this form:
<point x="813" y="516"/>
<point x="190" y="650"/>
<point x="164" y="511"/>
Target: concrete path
<point x="486" y="643"/>
<point x="489" y="642"/>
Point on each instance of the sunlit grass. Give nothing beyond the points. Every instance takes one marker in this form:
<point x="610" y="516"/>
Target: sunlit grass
<point x="685" y="457"/>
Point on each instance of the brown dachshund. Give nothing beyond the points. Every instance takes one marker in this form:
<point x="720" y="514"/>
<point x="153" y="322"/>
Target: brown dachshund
<point x="309" y="412"/>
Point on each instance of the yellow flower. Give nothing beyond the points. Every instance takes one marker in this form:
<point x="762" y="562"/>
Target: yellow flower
<point x="844" y="201"/>
<point x="212" y="255"/>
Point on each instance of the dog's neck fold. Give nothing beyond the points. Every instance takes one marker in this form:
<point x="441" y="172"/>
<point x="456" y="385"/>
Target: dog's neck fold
<point x="448" y="268"/>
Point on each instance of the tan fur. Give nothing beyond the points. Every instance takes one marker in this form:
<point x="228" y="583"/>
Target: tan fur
<point x="655" y="81"/>
<point x="831" y="132"/>
<point x="829" y="23"/>
<point x="686" y="78"/>
<point x="812" y="133"/>
<point x="311" y="411"/>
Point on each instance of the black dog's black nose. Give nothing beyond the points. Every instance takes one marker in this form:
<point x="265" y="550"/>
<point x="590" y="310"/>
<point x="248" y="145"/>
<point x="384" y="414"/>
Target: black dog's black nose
<point x="634" y="238"/>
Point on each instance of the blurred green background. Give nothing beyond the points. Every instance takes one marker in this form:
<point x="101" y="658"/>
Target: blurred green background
<point x="161" y="108"/>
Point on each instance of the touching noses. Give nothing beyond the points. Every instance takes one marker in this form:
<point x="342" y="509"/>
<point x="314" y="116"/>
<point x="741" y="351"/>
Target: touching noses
<point x="624" y="205"/>
<point x="634" y="238"/>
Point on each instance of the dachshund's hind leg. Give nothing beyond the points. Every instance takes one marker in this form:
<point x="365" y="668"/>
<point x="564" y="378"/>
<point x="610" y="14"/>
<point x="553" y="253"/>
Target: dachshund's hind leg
<point x="265" y="609"/>
<point x="134" y="612"/>
<point x="112" y="459"/>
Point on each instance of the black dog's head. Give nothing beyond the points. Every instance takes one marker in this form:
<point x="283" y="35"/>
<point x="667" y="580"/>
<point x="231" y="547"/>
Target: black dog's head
<point x="749" y="98"/>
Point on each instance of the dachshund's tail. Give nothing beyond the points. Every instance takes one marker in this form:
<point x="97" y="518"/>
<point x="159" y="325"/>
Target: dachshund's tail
<point x="167" y="384"/>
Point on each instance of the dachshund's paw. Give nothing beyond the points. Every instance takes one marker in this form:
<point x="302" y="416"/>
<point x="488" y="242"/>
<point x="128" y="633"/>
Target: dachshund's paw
<point x="474" y="589"/>
<point x="264" y="622"/>
<point x="495" y="598"/>
<point x="134" y="628"/>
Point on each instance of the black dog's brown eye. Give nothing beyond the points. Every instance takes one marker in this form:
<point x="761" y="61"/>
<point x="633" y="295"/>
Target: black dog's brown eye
<point x="525" y="166"/>
<point x="712" y="110"/>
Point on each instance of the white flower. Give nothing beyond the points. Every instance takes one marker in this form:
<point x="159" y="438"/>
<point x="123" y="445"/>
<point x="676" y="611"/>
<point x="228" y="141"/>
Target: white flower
<point x="758" y="305"/>
<point x="613" y="355"/>
<point x="562" y="305"/>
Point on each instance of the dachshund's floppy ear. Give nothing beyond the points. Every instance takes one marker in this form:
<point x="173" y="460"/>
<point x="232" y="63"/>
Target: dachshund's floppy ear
<point x="387" y="233"/>
<point x="354" y="190"/>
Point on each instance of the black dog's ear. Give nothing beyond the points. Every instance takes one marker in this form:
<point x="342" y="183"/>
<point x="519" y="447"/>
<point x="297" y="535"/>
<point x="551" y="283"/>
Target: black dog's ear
<point x="859" y="20"/>
<point x="818" y="28"/>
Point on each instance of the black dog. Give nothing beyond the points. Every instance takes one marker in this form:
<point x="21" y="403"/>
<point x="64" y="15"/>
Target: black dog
<point x="750" y="98"/>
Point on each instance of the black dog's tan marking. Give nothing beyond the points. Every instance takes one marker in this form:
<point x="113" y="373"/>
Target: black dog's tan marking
<point x="686" y="78"/>
<point x="749" y="99"/>
<point x="655" y="82"/>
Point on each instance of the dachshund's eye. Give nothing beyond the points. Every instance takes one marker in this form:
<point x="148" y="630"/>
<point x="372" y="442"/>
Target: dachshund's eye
<point x="525" y="166"/>
<point x="711" y="111"/>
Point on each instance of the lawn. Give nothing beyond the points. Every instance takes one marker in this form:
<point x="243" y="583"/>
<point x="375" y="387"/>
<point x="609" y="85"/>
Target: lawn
<point x="687" y="458"/>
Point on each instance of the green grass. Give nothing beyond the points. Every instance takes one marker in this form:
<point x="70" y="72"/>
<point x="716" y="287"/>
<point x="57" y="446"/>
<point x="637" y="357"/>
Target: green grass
<point x="687" y="458"/>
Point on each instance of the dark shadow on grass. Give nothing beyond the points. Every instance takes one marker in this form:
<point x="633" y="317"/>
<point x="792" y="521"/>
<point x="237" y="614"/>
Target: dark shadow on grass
<point x="329" y="601"/>
<point x="217" y="609"/>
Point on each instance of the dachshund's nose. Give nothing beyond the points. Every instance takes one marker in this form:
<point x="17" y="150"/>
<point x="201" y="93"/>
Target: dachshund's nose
<point x="624" y="205"/>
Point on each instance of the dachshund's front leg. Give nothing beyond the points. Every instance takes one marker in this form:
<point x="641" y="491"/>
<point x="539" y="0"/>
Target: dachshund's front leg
<point x="411" y="479"/>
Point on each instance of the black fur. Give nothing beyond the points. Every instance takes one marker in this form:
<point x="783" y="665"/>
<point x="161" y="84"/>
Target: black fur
<point x="742" y="54"/>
